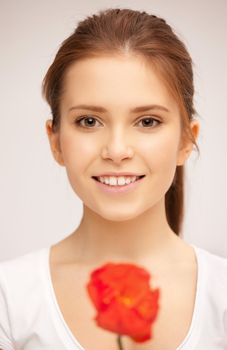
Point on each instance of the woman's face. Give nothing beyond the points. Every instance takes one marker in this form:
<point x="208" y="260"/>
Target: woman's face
<point x="118" y="139"/>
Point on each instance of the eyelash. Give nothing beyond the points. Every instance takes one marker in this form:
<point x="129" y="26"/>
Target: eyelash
<point x="78" y="121"/>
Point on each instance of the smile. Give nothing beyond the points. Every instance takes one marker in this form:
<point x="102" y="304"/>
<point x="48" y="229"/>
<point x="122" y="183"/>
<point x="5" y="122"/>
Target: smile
<point x="118" y="188"/>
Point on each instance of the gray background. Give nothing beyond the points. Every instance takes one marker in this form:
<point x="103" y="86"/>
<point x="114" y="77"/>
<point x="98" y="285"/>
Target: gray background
<point x="37" y="205"/>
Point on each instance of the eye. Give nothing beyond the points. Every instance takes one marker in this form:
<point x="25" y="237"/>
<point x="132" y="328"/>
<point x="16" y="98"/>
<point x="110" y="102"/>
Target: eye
<point x="147" y="121"/>
<point x="90" y="121"/>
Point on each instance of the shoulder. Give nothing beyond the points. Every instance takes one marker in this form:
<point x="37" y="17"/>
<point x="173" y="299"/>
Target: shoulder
<point x="20" y="285"/>
<point x="214" y="273"/>
<point x="22" y="264"/>
<point x="19" y="274"/>
<point x="212" y="261"/>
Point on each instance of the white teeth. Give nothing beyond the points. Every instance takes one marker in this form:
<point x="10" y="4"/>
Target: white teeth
<point x="120" y="181"/>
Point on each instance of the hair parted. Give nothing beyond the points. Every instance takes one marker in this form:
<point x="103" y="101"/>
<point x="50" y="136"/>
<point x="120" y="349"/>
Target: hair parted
<point x="122" y="32"/>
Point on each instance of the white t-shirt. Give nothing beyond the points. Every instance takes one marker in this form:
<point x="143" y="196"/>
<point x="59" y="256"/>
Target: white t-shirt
<point x="30" y="317"/>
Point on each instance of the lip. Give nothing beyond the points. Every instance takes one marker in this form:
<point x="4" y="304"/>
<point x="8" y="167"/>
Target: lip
<point x="118" y="189"/>
<point x="118" y="174"/>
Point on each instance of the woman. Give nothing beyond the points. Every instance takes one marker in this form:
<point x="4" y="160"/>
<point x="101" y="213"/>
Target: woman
<point x="121" y="95"/>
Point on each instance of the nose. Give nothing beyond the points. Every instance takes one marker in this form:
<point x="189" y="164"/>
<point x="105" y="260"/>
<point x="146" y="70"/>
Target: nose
<point x="116" y="148"/>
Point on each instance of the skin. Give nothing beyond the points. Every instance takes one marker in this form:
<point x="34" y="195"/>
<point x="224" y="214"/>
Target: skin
<point x="131" y="226"/>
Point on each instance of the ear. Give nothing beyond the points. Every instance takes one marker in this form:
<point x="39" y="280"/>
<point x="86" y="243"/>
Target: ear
<point x="54" y="142"/>
<point x="187" y="146"/>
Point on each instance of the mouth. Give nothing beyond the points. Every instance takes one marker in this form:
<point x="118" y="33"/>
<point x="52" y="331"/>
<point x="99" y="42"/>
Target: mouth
<point x="137" y="178"/>
<point x="119" y="189"/>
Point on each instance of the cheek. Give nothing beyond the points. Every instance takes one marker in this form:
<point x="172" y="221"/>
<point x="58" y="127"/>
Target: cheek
<point x="160" y="158"/>
<point x="77" y="154"/>
<point x="160" y="155"/>
<point x="77" y="150"/>
<point x="160" y="150"/>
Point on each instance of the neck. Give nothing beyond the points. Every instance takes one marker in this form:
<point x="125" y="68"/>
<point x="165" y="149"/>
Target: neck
<point x="98" y="240"/>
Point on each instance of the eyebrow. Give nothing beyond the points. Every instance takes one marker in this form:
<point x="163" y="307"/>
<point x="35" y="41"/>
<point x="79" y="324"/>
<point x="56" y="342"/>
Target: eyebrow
<point x="133" y="110"/>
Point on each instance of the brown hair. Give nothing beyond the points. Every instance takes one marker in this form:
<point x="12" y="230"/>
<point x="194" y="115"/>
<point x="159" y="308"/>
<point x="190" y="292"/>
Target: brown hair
<point x="126" y="31"/>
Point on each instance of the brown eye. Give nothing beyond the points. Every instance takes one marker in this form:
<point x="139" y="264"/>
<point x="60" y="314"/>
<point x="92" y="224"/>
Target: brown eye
<point x="149" y="122"/>
<point x="88" y="120"/>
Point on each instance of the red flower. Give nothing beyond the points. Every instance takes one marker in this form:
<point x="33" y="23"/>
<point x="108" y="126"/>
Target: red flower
<point x="124" y="301"/>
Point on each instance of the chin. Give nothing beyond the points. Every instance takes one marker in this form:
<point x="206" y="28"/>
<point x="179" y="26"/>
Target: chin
<point x="118" y="215"/>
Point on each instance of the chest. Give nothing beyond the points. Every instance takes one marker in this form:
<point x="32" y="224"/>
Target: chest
<point x="177" y="299"/>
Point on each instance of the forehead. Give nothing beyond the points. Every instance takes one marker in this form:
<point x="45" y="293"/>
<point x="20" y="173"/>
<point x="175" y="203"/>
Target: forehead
<point x="115" y="81"/>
